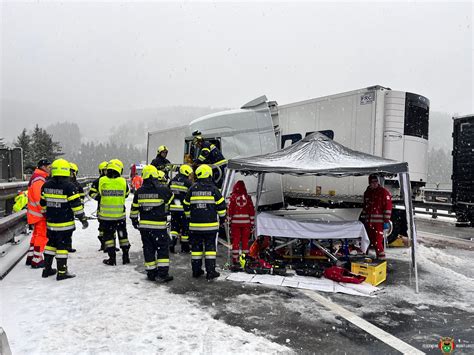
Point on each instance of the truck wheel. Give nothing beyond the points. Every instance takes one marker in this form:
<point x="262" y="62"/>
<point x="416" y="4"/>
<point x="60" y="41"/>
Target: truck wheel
<point x="399" y="221"/>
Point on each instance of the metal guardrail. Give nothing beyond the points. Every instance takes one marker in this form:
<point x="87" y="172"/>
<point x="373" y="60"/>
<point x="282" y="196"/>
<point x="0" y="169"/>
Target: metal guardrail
<point x="10" y="224"/>
<point x="9" y="190"/>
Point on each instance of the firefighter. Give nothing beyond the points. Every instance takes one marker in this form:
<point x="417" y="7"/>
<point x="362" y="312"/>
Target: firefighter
<point x="160" y="162"/>
<point x="74" y="172"/>
<point x="151" y="204"/>
<point x="35" y="216"/>
<point x="179" y="186"/>
<point x="211" y="155"/>
<point x="204" y="206"/>
<point x="113" y="190"/>
<point x="21" y="201"/>
<point x="60" y="202"/>
<point x="241" y="215"/>
<point x="376" y="213"/>
<point x="94" y="193"/>
<point x="79" y="189"/>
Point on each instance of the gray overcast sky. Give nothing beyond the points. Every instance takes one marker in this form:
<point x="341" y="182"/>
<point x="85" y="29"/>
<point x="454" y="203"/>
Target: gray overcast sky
<point x="134" y="55"/>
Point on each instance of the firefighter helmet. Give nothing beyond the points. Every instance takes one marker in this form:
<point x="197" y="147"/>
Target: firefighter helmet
<point x="197" y="139"/>
<point x="73" y="168"/>
<point x="185" y="169"/>
<point x="149" y="171"/>
<point x="203" y="171"/>
<point x="161" y="176"/>
<point x="60" y="167"/>
<point x="162" y="148"/>
<point x="103" y="166"/>
<point x="115" y="165"/>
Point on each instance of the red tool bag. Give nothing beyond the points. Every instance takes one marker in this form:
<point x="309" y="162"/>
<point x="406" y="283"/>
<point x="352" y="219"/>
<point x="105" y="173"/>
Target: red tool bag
<point x="339" y="274"/>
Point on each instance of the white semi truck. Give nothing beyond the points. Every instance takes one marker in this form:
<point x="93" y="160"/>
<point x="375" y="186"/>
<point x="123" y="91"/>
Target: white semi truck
<point x="375" y="120"/>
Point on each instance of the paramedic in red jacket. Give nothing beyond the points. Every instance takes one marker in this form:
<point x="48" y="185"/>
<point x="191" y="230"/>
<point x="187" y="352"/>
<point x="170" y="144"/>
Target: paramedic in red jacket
<point x="376" y="213"/>
<point x="241" y="214"/>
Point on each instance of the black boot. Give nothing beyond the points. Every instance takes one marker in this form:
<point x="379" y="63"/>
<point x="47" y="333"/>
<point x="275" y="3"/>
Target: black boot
<point x="63" y="274"/>
<point x="198" y="273"/>
<point x="125" y="257"/>
<point x="164" y="278"/>
<point x="112" y="257"/>
<point x="212" y="275"/>
<point x="48" y="270"/>
<point x="151" y="275"/>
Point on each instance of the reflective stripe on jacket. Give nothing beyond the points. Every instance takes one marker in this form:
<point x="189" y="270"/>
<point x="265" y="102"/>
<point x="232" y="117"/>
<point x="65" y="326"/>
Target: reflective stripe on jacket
<point x="37" y="181"/>
<point x="151" y="204"/>
<point x="204" y="205"/>
<point x="61" y="203"/>
<point x="377" y="205"/>
<point x="113" y="192"/>
<point x="179" y="186"/>
<point x="241" y="210"/>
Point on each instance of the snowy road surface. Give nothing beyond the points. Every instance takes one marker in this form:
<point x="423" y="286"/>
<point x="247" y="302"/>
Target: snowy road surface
<point x="108" y="310"/>
<point x="111" y="310"/>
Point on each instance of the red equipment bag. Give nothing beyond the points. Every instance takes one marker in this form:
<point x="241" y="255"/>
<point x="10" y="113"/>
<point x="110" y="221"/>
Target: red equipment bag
<point x="339" y="274"/>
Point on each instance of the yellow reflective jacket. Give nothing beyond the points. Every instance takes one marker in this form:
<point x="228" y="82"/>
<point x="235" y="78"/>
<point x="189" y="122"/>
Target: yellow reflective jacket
<point x="113" y="192"/>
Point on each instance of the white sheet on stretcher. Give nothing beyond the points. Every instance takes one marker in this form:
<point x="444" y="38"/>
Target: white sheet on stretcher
<point x="277" y="226"/>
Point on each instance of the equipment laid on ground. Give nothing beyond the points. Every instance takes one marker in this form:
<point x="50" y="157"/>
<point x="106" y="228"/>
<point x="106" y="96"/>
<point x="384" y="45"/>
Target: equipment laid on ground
<point x="375" y="271"/>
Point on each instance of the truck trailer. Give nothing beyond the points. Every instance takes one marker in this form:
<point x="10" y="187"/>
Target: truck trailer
<point x="463" y="169"/>
<point x="375" y="120"/>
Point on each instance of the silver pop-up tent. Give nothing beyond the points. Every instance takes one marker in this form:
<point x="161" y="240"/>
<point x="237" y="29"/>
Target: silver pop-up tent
<point x="317" y="154"/>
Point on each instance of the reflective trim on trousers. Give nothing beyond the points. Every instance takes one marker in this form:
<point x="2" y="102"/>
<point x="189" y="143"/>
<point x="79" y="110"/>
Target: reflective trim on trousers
<point x="65" y="228"/>
<point x="163" y="262"/>
<point x="61" y="254"/>
<point x="150" y="226"/>
<point x="124" y="242"/>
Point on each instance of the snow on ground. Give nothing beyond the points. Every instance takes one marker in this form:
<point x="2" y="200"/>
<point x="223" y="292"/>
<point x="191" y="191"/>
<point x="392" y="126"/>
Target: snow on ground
<point x="444" y="281"/>
<point x="111" y="310"/>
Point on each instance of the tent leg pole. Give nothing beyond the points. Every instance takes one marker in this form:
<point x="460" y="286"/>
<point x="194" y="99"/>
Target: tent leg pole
<point x="405" y="185"/>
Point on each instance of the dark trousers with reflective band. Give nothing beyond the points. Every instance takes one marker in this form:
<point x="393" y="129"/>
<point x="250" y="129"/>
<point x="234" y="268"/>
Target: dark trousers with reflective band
<point x="156" y="250"/>
<point x="179" y="225"/>
<point x="57" y="245"/>
<point x="203" y="245"/>
<point x="109" y="228"/>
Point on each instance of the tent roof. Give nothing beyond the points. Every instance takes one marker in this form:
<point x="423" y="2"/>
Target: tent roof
<point x="317" y="154"/>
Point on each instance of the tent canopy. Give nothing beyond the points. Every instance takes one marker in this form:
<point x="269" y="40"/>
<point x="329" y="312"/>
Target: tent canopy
<point x="317" y="154"/>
